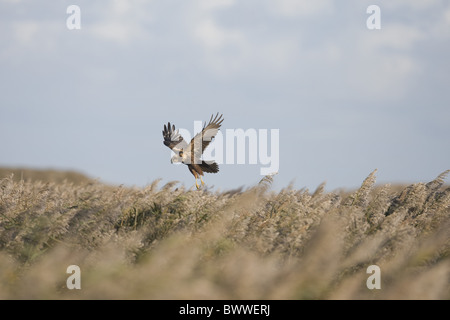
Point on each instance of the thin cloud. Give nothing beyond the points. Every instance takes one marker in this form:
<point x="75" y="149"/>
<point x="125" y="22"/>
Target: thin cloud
<point x="299" y="8"/>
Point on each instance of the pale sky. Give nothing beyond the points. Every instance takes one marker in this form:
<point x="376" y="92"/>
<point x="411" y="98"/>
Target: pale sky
<point x="345" y="99"/>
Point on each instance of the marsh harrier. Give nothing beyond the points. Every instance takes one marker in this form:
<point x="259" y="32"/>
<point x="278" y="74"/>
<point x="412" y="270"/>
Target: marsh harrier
<point x="190" y="154"/>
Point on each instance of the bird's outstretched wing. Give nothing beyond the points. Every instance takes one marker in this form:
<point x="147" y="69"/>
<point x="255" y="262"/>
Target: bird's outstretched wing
<point x="202" y="139"/>
<point x="173" y="139"/>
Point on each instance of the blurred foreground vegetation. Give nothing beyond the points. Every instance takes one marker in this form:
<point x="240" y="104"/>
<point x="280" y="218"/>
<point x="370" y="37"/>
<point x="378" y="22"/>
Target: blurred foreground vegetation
<point x="172" y="243"/>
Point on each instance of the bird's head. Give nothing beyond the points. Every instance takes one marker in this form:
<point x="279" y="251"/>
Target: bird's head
<point x="178" y="157"/>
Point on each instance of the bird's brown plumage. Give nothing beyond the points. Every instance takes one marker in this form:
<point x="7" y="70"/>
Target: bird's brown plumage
<point x="190" y="154"/>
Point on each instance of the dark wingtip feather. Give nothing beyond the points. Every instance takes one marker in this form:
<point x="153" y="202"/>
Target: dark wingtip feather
<point x="217" y="119"/>
<point x="215" y="167"/>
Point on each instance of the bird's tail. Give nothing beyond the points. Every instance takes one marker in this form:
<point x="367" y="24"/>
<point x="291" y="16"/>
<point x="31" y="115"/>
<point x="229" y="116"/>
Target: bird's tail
<point x="209" y="166"/>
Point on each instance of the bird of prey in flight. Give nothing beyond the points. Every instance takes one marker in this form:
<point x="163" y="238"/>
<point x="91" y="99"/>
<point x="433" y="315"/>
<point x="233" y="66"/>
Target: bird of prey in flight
<point x="190" y="154"/>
